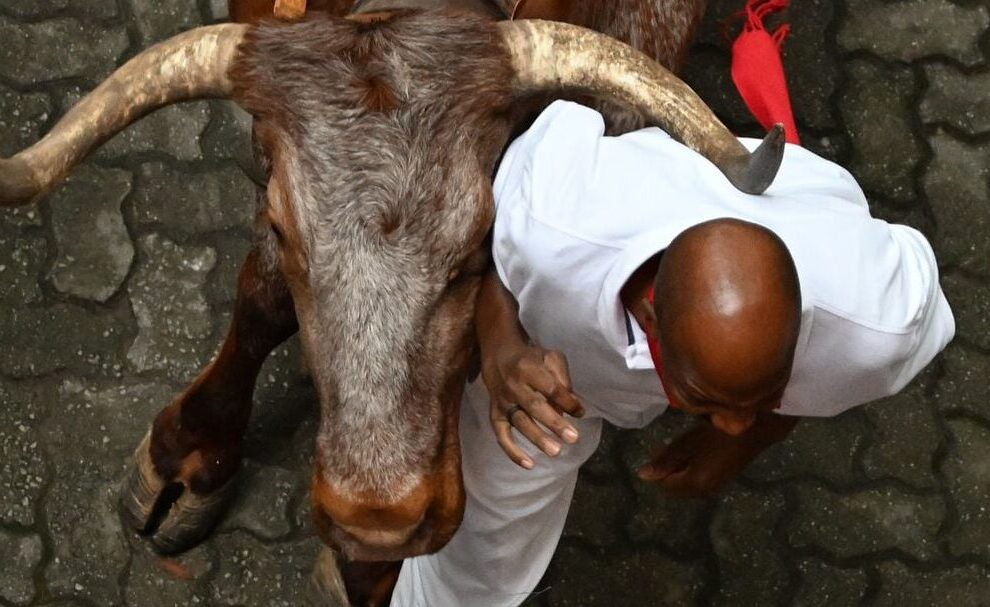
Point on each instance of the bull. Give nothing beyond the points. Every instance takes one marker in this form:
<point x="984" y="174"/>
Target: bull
<point x="378" y="132"/>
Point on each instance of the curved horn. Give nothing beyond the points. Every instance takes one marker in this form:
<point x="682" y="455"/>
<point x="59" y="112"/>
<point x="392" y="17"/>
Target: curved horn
<point x="553" y="56"/>
<point x="189" y="66"/>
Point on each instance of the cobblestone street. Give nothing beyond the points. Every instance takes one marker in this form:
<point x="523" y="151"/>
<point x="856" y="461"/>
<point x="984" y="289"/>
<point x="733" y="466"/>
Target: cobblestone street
<point x="116" y="290"/>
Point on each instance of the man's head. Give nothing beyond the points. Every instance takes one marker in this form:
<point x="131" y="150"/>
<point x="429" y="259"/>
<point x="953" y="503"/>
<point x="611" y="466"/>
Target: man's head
<point x="728" y="311"/>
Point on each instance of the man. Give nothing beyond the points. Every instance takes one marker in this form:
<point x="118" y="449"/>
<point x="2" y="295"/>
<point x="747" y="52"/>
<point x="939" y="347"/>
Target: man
<point x="765" y="308"/>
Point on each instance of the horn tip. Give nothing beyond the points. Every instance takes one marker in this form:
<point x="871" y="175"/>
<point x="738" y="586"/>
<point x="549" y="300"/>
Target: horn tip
<point x="762" y="165"/>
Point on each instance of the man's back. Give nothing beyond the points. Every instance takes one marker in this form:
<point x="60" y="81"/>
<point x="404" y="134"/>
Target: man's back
<point x="578" y="213"/>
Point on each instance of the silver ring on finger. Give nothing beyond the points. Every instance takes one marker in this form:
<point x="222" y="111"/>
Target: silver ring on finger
<point x="512" y="411"/>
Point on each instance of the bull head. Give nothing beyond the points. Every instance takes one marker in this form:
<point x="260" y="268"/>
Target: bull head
<point x="381" y="134"/>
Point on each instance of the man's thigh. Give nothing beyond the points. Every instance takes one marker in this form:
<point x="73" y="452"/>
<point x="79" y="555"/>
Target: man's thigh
<point x="513" y="519"/>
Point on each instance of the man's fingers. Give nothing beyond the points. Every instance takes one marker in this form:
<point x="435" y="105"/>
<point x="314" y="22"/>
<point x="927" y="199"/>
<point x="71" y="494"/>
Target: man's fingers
<point x="562" y="396"/>
<point x="663" y="464"/>
<point x="554" y="381"/>
<point x="522" y="422"/>
<point x="540" y="410"/>
<point x="503" y="434"/>
<point x="684" y="483"/>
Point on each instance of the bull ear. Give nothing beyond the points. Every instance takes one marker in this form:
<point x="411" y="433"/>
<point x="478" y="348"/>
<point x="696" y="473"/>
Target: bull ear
<point x="189" y="66"/>
<point x="549" y="56"/>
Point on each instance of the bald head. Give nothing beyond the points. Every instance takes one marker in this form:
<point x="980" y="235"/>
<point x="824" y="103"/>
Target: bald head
<point x="728" y="309"/>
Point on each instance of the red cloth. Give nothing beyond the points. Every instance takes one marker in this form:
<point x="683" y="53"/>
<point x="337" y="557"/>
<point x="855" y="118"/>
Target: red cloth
<point x="658" y="361"/>
<point x="757" y="70"/>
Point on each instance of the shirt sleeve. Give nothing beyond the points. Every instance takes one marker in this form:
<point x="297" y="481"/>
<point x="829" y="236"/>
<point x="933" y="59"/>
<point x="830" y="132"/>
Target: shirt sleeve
<point x="933" y="326"/>
<point x="541" y="176"/>
<point x="871" y="345"/>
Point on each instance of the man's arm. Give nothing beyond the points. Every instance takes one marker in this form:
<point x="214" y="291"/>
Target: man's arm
<point x="527" y="383"/>
<point x="701" y="461"/>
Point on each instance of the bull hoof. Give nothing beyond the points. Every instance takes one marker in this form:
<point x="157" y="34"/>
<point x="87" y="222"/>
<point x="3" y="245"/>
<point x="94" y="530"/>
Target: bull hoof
<point x="169" y="514"/>
<point x="327" y="585"/>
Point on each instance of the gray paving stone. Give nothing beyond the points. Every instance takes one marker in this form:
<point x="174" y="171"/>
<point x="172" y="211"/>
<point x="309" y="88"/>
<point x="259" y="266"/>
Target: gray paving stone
<point x="21" y="261"/>
<point x="90" y="442"/>
<point x="814" y="441"/>
<point x="22" y="217"/>
<point x="164" y="18"/>
<point x="232" y="249"/>
<point x="263" y="500"/>
<point x="178" y="581"/>
<point x="22" y="118"/>
<point x="252" y="573"/>
<point x="676" y="523"/>
<point x="597" y="513"/>
<point x="94" y="9"/>
<point x="39" y="341"/>
<point x="634" y="577"/>
<point x="823" y="585"/>
<point x="915" y="29"/>
<point x="60" y="48"/>
<point x="970" y="301"/>
<point x="33" y="10"/>
<point x="905" y="439"/>
<point x="219" y="9"/>
<point x="19" y="555"/>
<point x="603" y="465"/>
<point x="877" y="109"/>
<point x="866" y="522"/>
<point x="22" y="462"/>
<point x="708" y="73"/>
<point x="229" y="136"/>
<point x="967" y="471"/>
<point x="97" y="9"/>
<point x="94" y="250"/>
<point x="956" y="98"/>
<point x="957" y="183"/>
<point x="190" y="203"/>
<point x="900" y="586"/>
<point x="174" y="130"/>
<point x="963" y="386"/>
<point x="812" y="71"/>
<point x="173" y="317"/>
<point x="743" y="534"/>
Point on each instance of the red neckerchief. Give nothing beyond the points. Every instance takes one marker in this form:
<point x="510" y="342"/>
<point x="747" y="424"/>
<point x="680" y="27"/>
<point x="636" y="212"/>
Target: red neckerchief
<point x="658" y="361"/>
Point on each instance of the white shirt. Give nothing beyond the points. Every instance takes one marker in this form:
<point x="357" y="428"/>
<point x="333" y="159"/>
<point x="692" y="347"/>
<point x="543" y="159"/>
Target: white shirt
<point x="578" y="213"/>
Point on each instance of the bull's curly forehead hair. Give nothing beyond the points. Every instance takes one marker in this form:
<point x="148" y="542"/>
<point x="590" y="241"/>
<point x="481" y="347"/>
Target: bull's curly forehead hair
<point x="728" y="306"/>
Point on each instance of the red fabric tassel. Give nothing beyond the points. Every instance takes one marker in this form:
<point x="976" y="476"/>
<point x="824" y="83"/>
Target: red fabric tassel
<point x="758" y="71"/>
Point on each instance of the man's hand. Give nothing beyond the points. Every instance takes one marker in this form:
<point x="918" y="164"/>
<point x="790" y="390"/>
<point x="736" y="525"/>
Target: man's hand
<point x="529" y="384"/>
<point x="701" y="461"/>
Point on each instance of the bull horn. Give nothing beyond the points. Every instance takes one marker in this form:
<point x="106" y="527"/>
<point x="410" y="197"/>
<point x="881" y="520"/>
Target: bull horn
<point x="189" y="66"/>
<point x="550" y="56"/>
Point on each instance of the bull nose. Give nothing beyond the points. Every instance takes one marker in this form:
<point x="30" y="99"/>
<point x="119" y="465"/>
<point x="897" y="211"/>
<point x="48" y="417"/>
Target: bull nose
<point x="369" y="518"/>
<point x="380" y="537"/>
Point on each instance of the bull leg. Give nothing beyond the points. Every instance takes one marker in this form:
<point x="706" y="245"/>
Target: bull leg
<point x="342" y="584"/>
<point x="185" y="465"/>
<point x="370" y="584"/>
<point x="327" y="588"/>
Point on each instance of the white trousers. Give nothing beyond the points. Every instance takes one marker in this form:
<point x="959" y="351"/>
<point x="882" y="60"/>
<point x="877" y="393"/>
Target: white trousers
<point x="513" y="518"/>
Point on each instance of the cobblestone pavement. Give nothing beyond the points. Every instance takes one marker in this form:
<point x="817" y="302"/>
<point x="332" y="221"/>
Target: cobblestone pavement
<point x="115" y="290"/>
